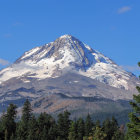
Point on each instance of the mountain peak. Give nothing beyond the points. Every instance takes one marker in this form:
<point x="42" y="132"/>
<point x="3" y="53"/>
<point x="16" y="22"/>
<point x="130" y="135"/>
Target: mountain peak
<point x="68" y="37"/>
<point x="69" y="67"/>
<point x="67" y="54"/>
<point x="65" y="36"/>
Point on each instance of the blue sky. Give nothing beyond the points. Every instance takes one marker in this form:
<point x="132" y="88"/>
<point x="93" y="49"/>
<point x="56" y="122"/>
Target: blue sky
<point x="110" y="26"/>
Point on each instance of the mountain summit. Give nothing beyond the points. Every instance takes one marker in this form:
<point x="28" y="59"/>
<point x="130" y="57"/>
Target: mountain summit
<point x="67" y="74"/>
<point x="68" y="54"/>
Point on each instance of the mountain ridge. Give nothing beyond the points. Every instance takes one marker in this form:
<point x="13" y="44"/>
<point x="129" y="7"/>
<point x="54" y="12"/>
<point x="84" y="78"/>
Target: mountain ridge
<point x="68" y="54"/>
<point x="67" y="75"/>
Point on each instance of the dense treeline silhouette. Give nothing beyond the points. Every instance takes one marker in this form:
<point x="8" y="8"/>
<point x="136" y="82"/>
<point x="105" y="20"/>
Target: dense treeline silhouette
<point x="44" y="127"/>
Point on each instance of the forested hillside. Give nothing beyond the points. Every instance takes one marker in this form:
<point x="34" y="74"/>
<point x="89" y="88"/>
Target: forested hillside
<point x="45" y="127"/>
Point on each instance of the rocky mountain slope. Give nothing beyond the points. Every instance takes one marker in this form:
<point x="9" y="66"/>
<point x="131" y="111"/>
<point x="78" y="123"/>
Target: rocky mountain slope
<point x="65" y="66"/>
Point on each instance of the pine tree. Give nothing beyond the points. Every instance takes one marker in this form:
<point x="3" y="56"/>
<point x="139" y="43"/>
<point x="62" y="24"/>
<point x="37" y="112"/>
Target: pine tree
<point x="80" y="129"/>
<point x="107" y="128"/>
<point x="1" y="131"/>
<point x="23" y="125"/>
<point x="26" y="112"/>
<point x="88" y="125"/>
<point x="33" y="127"/>
<point x="45" y="123"/>
<point x="44" y="135"/>
<point x="134" y="125"/>
<point x="114" y="124"/>
<point x="97" y="123"/>
<point x="63" y="125"/>
<point x="110" y="127"/>
<point x="118" y="135"/>
<point x="52" y="134"/>
<point x="41" y="124"/>
<point x="72" y="131"/>
<point x="98" y="134"/>
<point x="8" y="121"/>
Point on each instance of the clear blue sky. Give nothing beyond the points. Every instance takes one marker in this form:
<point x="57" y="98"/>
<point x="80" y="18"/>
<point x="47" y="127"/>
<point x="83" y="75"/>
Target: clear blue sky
<point x="109" y="26"/>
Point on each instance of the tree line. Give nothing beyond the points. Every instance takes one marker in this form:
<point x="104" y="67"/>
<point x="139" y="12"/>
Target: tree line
<point x="45" y="127"/>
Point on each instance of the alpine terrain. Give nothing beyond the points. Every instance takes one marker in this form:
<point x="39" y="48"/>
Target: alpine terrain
<point x="67" y="74"/>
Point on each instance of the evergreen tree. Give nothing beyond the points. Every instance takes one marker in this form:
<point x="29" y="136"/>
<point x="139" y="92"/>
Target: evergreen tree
<point x="134" y="125"/>
<point x="44" y="135"/>
<point x="2" y="131"/>
<point x="110" y="128"/>
<point x="52" y="134"/>
<point x="107" y="128"/>
<point x="88" y="125"/>
<point x="98" y="134"/>
<point x="8" y="121"/>
<point x="63" y="125"/>
<point x="118" y="135"/>
<point x="33" y="127"/>
<point x="80" y="129"/>
<point x="60" y="126"/>
<point x="45" y="123"/>
<point x="114" y="124"/>
<point x="26" y="112"/>
<point x="20" y="133"/>
<point x="97" y="123"/>
<point x="23" y="126"/>
<point x="72" y="131"/>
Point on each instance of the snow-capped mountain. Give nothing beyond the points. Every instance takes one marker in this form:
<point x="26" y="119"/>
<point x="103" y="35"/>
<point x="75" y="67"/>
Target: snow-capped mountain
<point x="67" y="74"/>
<point x="68" y="54"/>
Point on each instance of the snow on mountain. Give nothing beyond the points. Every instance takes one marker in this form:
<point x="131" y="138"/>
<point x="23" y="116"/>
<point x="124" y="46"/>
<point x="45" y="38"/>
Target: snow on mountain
<point x="67" y="54"/>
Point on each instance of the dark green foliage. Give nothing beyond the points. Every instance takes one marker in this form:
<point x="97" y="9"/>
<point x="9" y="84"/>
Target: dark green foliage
<point x="63" y="125"/>
<point x="8" y="125"/>
<point x="118" y="135"/>
<point x="139" y="64"/>
<point x="97" y="123"/>
<point x="72" y="131"/>
<point x="23" y="125"/>
<point x="99" y="134"/>
<point x="33" y="129"/>
<point x="110" y="128"/>
<point x="134" y="125"/>
<point x="88" y="125"/>
<point x="80" y="129"/>
<point x="107" y="129"/>
<point x="52" y="134"/>
<point x="26" y="112"/>
<point x="44" y="127"/>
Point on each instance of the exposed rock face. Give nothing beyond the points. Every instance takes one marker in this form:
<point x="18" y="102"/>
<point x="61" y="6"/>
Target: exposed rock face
<point x="65" y="66"/>
<point x="68" y="54"/>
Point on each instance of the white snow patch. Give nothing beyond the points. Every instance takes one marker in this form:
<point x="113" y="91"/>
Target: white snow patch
<point x="76" y="81"/>
<point x="29" y="53"/>
<point x="100" y="68"/>
<point x="65" y="36"/>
